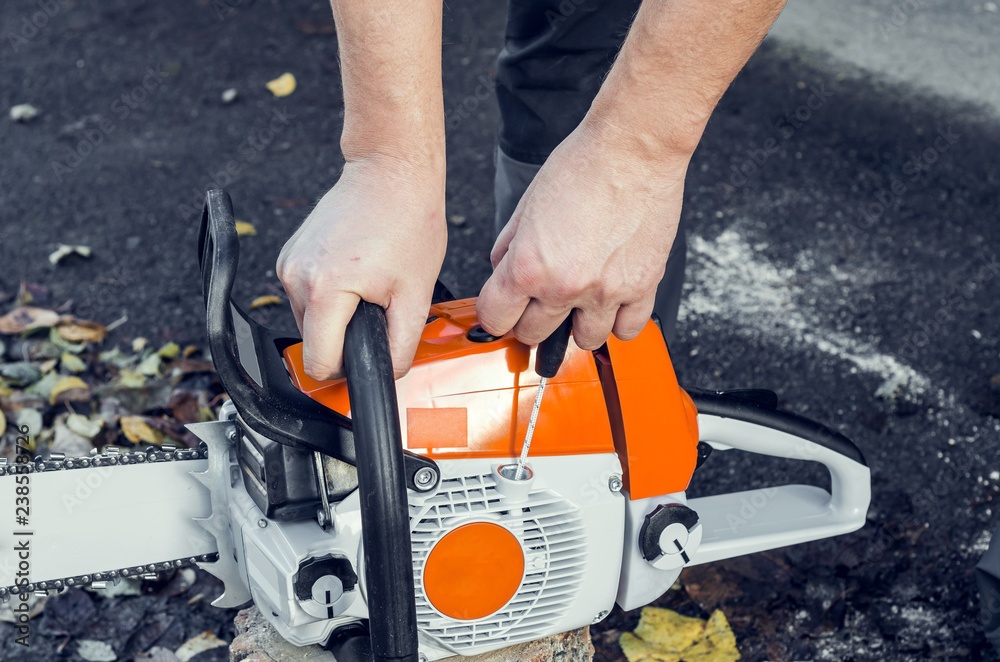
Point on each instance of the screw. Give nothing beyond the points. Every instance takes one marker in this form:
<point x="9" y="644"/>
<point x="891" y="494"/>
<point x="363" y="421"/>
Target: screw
<point x="233" y="435"/>
<point x="600" y="616"/>
<point x="262" y="523"/>
<point x="424" y="478"/>
<point x="615" y="483"/>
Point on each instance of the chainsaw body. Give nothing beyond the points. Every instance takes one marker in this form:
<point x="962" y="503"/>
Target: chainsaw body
<point x="600" y="516"/>
<point x="385" y="519"/>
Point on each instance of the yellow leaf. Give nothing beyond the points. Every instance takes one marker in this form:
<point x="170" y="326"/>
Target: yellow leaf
<point x="169" y="351"/>
<point x="47" y="366"/>
<point x="266" y="300"/>
<point x="189" y="350"/>
<point x="719" y="644"/>
<point x="72" y="362"/>
<point x="666" y="636"/>
<point x="69" y="389"/>
<point x="282" y="86"/>
<point x="65" y="250"/>
<point x="24" y="318"/>
<point x="128" y="378"/>
<point x="244" y="229"/>
<point x="82" y="331"/>
<point x="3" y="423"/>
<point x="136" y="429"/>
<point x="138" y="344"/>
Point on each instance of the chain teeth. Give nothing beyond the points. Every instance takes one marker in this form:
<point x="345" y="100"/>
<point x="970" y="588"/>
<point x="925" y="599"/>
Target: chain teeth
<point x="111" y="456"/>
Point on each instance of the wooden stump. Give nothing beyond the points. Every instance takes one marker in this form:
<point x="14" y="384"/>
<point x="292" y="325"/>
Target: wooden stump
<point x="257" y="641"/>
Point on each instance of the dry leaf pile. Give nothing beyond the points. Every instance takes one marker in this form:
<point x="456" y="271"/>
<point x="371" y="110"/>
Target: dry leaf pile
<point x="74" y="395"/>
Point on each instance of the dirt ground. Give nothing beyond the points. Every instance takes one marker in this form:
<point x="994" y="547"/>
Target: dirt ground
<point x="845" y="252"/>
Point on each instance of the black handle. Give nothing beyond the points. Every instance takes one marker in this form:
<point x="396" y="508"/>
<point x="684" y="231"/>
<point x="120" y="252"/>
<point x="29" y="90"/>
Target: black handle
<point x="249" y="364"/>
<point x="247" y="356"/>
<point x="552" y="350"/>
<point x="381" y="486"/>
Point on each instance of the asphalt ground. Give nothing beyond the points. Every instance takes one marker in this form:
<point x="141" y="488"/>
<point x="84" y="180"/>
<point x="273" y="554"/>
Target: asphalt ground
<point x="844" y="253"/>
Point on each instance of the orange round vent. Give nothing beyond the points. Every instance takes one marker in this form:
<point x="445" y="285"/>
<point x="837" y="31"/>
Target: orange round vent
<point x="473" y="571"/>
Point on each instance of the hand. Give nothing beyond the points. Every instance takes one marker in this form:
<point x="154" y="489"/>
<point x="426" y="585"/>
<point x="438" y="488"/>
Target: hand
<point x="379" y="235"/>
<point x="590" y="236"/>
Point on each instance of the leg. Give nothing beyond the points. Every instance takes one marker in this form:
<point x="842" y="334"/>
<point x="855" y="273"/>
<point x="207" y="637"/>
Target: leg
<point x="555" y="58"/>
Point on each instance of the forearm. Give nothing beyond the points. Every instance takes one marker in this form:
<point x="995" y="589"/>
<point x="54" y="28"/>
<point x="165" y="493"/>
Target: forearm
<point x="390" y="59"/>
<point x="677" y="61"/>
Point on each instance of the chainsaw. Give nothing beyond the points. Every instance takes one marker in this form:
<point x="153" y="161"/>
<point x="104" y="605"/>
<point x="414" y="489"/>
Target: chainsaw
<point x="407" y="521"/>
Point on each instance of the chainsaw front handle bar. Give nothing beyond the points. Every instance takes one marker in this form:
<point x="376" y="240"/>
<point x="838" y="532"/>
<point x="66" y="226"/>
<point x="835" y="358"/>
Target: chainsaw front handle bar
<point x="247" y="356"/>
<point x="249" y="364"/>
<point x="767" y="518"/>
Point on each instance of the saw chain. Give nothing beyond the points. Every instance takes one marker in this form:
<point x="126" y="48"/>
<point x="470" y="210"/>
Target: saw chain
<point x="111" y="456"/>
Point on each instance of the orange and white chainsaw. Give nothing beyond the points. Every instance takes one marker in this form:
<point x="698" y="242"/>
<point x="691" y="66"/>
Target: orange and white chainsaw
<point x="405" y="521"/>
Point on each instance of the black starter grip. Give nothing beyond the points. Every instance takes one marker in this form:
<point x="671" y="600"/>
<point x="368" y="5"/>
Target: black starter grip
<point x="552" y="350"/>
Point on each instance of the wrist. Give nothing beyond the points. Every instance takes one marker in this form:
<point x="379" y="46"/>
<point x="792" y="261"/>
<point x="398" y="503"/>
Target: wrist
<point x="628" y="148"/>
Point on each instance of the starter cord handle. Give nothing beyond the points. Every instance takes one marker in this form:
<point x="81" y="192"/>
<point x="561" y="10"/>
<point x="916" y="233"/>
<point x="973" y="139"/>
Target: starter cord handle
<point x="552" y="350"/>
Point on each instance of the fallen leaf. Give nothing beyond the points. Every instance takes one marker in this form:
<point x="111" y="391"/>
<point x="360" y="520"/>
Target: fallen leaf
<point x="31" y="419"/>
<point x="93" y="650"/>
<point x="65" y="250"/>
<point x="25" y="318"/>
<point x="139" y="344"/>
<point x="20" y="373"/>
<point x="72" y="362"/>
<point x="68" y="442"/>
<point x="184" y="407"/>
<point x="23" y="112"/>
<point x="157" y="654"/>
<point x="82" y="331"/>
<point x="244" y="229"/>
<point x="61" y="344"/>
<point x="150" y="366"/>
<point x="130" y="378"/>
<point x="69" y="389"/>
<point x="48" y="366"/>
<point x="3" y="423"/>
<point x="136" y="429"/>
<point x="666" y="636"/>
<point x="169" y="351"/>
<point x="230" y="95"/>
<point x="266" y="300"/>
<point x="188" y="366"/>
<point x="282" y="86"/>
<point x="189" y="351"/>
<point x="198" y="644"/>
<point x="83" y="426"/>
<point x="117" y="358"/>
<point x="43" y="387"/>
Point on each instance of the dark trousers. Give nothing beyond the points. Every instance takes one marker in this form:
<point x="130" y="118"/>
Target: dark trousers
<point x="555" y="57"/>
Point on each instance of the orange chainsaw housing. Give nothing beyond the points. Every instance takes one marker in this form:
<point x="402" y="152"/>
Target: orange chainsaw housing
<point x="465" y="399"/>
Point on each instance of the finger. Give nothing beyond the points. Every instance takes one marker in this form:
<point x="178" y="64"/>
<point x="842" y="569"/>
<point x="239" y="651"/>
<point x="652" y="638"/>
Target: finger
<point x="632" y="318"/>
<point x="406" y="323"/>
<point x="591" y="327"/>
<point x="538" y="322"/>
<point x="502" y="243"/>
<point x="323" y="328"/>
<point x="501" y="301"/>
